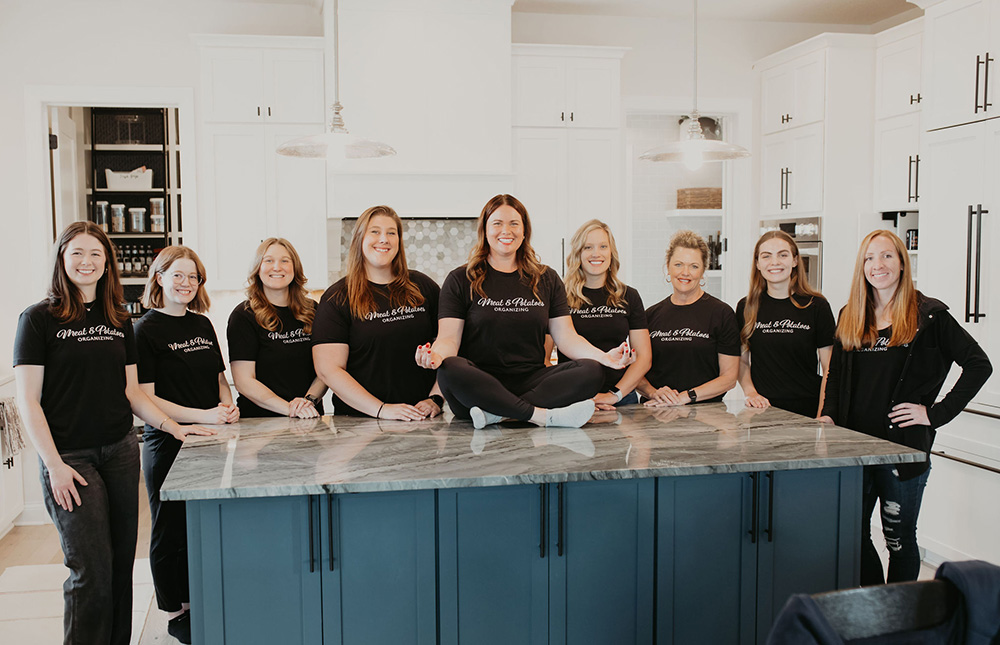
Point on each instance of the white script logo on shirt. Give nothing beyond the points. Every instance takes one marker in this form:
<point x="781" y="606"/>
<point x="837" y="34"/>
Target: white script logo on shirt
<point x="601" y="311"/>
<point x="881" y="345"/>
<point x="510" y="305"/>
<point x="394" y="315"/>
<point x="294" y="336"/>
<point x="191" y="345"/>
<point x="786" y="326"/>
<point x="686" y="334"/>
<point x="99" y="332"/>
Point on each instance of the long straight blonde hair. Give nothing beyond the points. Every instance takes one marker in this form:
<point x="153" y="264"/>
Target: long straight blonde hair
<point x="798" y="284"/>
<point x="575" y="277"/>
<point x="858" y="327"/>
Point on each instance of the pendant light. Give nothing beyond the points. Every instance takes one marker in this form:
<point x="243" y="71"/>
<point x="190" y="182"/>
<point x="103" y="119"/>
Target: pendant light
<point x="693" y="149"/>
<point x="337" y="144"/>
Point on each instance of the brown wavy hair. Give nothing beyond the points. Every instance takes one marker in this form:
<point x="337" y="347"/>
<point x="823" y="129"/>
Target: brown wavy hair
<point x="575" y="278"/>
<point x="529" y="267"/>
<point x="152" y="295"/>
<point x="403" y="292"/>
<point x="65" y="299"/>
<point x="797" y="286"/>
<point x="857" y="326"/>
<point x="303" y="309"/>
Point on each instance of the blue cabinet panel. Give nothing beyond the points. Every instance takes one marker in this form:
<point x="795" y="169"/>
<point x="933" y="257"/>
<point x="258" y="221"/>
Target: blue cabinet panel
<point x="254" y="579"/>
<point x="706" y="560"/>
<point x="381" y="584"/>
<point x="493" y="573"/>
<point x="602" y="583"/>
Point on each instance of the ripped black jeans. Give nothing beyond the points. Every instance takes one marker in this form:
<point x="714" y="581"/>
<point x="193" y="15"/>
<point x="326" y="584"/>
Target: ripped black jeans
<point x="899" y="506"/>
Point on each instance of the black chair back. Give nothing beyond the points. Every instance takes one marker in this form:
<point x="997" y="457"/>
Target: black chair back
<point x="887" y="609"/>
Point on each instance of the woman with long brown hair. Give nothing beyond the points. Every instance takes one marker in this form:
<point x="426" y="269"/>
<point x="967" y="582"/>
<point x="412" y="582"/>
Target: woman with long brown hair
<point x="368" y="322"/>
<point x="77" y="389"/>
<point x="269" y="338"/>
<point x="492" y="320"/>
<point x="605" y="310"/>
<point x="181" y="370"/>
<point x="785" y="326"/>
<point x="893" y="349"/>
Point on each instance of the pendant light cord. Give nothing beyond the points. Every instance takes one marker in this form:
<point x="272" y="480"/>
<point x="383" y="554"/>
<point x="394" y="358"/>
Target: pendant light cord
<point x="695" y="58"/>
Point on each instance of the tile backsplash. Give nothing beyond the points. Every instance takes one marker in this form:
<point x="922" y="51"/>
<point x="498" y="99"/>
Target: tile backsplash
<point x="433" y="246"/>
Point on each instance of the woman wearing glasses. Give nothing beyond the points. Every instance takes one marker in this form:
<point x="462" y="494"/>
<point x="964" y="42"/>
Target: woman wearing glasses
<point x="270" y="338"/>
<point x="181" y="370"/>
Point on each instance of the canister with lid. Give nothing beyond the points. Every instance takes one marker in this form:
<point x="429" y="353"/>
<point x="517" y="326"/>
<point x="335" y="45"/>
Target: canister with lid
<point x="157" y="217"/>
<point x="137" y="219"/>
<point x="101" y="215"/>
<point x="118" y="218"/>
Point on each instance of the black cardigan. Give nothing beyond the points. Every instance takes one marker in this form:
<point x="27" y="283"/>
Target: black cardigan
<point x="940" y="341"/>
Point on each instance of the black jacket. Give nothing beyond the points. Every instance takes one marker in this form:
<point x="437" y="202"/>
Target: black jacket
<point x="940" y="341"/>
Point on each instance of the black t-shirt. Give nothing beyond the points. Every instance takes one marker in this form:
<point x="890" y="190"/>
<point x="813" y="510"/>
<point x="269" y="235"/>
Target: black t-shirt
<point x="180" y="355"/>
<point x="283" y="357"/>
<point x="504" y="333"/>
<point x="783" y="362"/>
<point x="875" y="373"/>
<point x="687" y="341"/>
<point x="381" y="346"/>
<point x="607" y="326"/>
<point x="83" y="389"/>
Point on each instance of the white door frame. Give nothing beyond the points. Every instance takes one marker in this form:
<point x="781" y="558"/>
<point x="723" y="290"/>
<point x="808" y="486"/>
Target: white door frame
<point x="738" y="225"/>
<point x="37" y="100"/>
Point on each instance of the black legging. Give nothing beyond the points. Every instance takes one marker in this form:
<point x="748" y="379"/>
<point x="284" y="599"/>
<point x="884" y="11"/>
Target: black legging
<point x="515" y="397"/>
<point x="168" y="533"/>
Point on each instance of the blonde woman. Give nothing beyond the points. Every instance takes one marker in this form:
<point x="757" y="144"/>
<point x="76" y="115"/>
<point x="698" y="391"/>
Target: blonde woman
<point x="893" y="349"/>
<point x="605" y="310"/>
<point x="181" y="370"/>
<point x="369" y="322"/>
<point x="696" y="344"/>
<point x="492" y="320"/>
<point x="786" y="330"/>
<point x="269" y="338"/>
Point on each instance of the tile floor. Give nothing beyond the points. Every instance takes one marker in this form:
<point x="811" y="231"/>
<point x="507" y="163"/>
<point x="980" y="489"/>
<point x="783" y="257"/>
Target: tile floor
<point x="31" y="604"/>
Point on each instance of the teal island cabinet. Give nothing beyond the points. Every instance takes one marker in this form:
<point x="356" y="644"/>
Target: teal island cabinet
<point x="687" y="525"/>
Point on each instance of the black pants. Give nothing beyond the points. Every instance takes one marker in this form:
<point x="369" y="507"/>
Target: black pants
<point x="168" y="532"/>
<point x="98" y="541"/>
<point x="515" y="397"/>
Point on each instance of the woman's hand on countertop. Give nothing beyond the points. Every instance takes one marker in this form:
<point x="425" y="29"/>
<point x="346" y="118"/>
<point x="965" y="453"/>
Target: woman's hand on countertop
<point x="757" y="401"/>
<point x="179" y="432"/>
<point x="666" y="396"/>
<point x="429" y="408"/>
<point x="605" y="401"/>
<point x="401" y="412"/>
<point x="301" y="408"/>
<point x="222" y="414"/>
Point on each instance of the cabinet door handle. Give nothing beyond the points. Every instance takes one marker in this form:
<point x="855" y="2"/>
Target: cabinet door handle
<point x="9" y="462"/>
<point x="541" y="520"/>
<point x="781" y="191"/>
<point x="312" y="563"/>
<point x="559" y="537"/>
<point x="979" y="258"/>
<point x="770" y="506"/>
<point x="562" y="115"/>
<point x="755" y="509"/>
<point x="909" y="181"/>
<point x="268" y="110"/>
<point x="915" y="99"/>
<point x="570" y="116"/>
<point x="329" y="526"/>
<point x="788" y="180"/>
<point x="916" y="178"/>
<point x="986" y="82"/>
<point x="562" y="254"/>
<point x="968" y="269"/>
<point x="979" y="62"/>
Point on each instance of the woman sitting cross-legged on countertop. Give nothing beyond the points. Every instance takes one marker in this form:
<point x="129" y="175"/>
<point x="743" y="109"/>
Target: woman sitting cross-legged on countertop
<point x="369" y="320"/>
<point x="492" y="320"/>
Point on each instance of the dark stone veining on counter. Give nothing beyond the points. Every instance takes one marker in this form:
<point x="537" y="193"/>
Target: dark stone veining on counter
<point x="281" y="457"/>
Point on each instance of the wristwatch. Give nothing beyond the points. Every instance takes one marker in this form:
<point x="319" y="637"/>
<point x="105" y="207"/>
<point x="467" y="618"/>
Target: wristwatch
<point x="618" y="395"/>
<point x="693" y="395"/>
<point x="312" y="399"/>
<point x="438" y="400"/>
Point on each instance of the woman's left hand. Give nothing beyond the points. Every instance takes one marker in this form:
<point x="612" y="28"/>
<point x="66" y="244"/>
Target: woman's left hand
<point x="905" y="415"/>
<point x="301" y="408"/>
<point x="429" y="408"/>
<point x="605" y="401"/>
<point x="620" y="357"/>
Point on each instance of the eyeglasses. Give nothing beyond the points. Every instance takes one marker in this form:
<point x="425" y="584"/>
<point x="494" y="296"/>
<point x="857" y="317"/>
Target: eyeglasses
<point x="179" y="278"/>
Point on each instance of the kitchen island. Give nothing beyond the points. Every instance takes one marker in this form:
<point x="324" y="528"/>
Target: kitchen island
<point x="678" y="525"/>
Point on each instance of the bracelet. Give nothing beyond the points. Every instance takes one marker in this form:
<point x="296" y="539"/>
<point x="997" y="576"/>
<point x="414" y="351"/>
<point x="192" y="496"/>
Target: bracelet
<point x="160" y="427"/>
<point x="379" y="413"/>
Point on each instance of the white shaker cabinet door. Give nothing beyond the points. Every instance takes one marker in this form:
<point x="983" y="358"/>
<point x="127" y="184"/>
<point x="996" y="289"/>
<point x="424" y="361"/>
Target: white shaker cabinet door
<point x="540" y="91"/>
<point x="776" y="157"/>
<point x="793" y="94"/>
<point x="955" y="83"/>
<point x="989" y="267"/>
<point x="593" y="90"/>
<point x="804" y="183"/>
<point x="540" y="184"/>
<point x="236" y="199"/>
<point x="232" y="85"/>
<point x="897" y="77"/>
<point x="777" y="98"/>
<point x="593" y="180"/>
<point x="293" y="83"/>
<point x="897" y="163"/>
<point x="296" y="200"/>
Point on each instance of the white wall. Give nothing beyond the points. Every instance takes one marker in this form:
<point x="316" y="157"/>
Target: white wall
<point x="95" y="44"/>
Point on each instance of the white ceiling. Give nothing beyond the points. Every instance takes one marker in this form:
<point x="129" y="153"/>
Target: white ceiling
<point x="845" y="12"/>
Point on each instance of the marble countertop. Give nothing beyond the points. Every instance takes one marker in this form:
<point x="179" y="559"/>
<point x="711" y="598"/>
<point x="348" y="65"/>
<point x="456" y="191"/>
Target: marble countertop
<point x="273" y="457"/>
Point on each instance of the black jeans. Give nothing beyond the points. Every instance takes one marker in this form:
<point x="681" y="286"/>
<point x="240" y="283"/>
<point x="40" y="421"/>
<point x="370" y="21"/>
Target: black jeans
<point x="900" y="506"/>
<point x="465" y="385"/>
<point x="98" y="541"/>
<point x="168" y="533"/>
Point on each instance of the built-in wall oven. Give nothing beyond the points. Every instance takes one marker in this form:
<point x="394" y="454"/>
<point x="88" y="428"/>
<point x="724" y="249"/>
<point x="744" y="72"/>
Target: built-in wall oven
<point x="807" y="233"/>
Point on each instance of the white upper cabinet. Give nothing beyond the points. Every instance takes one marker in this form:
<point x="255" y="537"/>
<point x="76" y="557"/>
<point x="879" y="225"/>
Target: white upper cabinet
<point x="279" y="84"/>
<point x="793" y="94"/>
<point x="897" y="77"/>
<point x="792" y="172"/>
<point x="960" y="68"/>
<point x="557" y="86"/>
<point x="897" y="163"/>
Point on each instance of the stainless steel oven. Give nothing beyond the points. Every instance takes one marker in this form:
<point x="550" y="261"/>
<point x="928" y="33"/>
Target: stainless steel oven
<point x="807" y="233"/>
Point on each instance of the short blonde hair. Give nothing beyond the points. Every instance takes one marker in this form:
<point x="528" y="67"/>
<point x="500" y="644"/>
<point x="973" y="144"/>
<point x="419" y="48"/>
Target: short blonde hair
<point x="688" y="240"/>
<point x="152" y="295"/>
